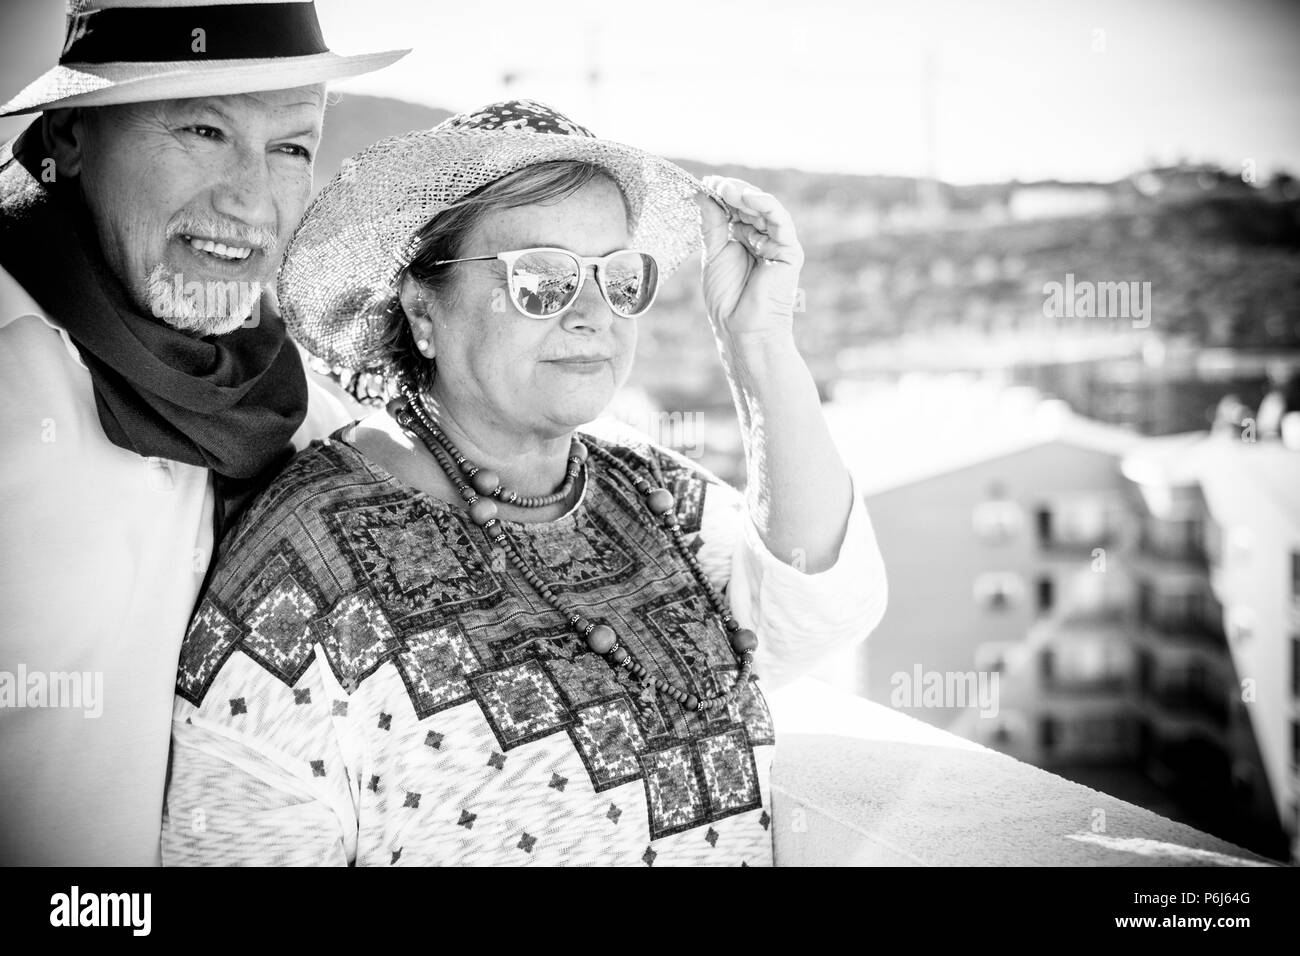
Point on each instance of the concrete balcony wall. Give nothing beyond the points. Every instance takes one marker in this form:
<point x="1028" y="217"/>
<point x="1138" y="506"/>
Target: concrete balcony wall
<point x="856" y="783"/>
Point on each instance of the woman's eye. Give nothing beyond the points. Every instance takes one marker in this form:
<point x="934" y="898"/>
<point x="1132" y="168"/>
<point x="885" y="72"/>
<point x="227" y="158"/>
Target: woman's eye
<point x="206" y="132"/>
<point x="296" y="150"/>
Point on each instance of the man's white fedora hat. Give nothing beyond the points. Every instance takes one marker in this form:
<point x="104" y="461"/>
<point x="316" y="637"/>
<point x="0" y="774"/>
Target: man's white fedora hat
<point x="132" y="51"/>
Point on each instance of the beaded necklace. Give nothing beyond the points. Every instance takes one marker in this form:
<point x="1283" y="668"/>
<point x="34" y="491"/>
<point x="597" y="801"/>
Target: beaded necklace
<point x="484" y="485"/>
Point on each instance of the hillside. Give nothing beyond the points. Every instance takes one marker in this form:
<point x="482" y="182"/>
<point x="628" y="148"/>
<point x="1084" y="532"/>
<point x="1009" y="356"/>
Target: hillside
<point x="893" y="259"/>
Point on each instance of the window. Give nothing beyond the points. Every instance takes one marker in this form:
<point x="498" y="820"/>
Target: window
<point x="1295" y="745"/>
<point x="1295" y="666"/>
<point x="1295" y="575"/>
<point x="1044" y="524"/>
<point x="1146" y="670"/>
<point x="1047" y="665"/>
<point x="1045" y="594"/>
<point x="1048" y="733"/>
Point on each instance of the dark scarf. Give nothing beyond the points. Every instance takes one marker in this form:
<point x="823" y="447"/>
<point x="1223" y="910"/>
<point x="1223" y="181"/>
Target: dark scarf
<point x="229" y="403"/>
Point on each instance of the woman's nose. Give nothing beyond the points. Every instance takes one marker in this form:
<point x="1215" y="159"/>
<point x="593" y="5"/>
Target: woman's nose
<point x="589" y="310"/>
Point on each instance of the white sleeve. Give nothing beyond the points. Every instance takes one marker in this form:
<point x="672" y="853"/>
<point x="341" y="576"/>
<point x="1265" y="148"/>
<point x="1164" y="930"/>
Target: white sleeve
<point x="272" y="789"/>
<point x="799" y="618"/>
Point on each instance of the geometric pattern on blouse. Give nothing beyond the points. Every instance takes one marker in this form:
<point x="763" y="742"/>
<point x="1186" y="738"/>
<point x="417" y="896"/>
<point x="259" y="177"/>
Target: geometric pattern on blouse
<point x="373" y="572"/>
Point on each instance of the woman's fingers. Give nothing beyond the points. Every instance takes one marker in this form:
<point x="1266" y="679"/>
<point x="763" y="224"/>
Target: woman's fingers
<point x="758" y="209"/>
<point x="764" y="246"/>
<point x="731" y="210"/>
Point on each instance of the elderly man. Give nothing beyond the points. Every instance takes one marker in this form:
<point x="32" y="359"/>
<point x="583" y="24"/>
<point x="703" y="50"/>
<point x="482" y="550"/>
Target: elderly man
<point x="145" y="383"/>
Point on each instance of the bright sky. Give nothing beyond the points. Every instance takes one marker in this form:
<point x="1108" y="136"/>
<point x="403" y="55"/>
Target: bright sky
<point x="1073" y="89"/>
<point x="1019" y="88"/>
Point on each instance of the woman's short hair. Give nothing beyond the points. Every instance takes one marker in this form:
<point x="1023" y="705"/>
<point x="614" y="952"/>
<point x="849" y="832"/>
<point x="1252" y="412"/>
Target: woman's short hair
<point x="443" y="237"/>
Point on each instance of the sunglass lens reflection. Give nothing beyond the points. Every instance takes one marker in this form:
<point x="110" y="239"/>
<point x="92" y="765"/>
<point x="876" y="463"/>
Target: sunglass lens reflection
<point x="630" y="280"/>
<point x="544" y="282"/>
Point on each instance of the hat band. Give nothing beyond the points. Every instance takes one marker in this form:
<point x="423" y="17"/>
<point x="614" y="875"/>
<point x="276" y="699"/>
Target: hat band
<point x="232" y="31"/>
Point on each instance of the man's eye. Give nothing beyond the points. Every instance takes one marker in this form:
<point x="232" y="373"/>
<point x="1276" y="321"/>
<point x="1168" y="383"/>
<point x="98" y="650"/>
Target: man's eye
<point x="207" y="132"/>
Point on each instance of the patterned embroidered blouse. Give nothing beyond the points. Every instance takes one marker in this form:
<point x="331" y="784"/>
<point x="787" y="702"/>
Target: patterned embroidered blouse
<point x="365" y="683"/>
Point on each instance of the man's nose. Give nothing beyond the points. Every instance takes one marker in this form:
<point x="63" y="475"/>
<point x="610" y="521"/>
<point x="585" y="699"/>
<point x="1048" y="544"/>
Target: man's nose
<point x="245" y="190"/>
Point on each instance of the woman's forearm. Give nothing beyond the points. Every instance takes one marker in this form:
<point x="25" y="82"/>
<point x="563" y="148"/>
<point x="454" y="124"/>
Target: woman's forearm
<point x="799" y="491"/>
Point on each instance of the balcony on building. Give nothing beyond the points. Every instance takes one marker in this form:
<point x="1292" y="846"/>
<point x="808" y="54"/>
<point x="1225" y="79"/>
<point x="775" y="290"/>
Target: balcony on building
<point x="1173" y="543"/>
<point x="1076" y="527"/>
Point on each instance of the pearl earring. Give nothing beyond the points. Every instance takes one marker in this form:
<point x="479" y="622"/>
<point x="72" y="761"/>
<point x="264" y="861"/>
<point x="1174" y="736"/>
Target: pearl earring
<point x="422" y="345"/>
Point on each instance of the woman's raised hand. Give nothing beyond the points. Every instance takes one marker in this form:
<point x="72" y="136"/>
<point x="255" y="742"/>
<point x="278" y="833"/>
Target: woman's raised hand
<point x="751" y="283"/>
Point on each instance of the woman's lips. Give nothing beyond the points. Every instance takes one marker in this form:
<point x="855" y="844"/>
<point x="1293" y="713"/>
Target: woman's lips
<point x="580" y="363"/>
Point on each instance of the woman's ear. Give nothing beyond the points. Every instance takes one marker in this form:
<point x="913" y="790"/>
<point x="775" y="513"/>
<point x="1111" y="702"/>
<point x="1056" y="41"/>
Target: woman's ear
<point x="415" y="304"/>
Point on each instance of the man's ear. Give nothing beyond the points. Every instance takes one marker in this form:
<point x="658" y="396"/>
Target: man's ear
<point x="64" y="135"/>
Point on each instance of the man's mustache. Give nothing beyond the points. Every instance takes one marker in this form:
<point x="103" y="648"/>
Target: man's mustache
<point x="258" y="238"/>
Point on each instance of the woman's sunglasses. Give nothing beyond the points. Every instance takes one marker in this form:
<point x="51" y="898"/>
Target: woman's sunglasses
<point x="545" y="281"/>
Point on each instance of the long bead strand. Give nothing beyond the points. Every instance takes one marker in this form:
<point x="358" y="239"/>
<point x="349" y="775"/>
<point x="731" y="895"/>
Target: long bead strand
<point x="600" y="638"/>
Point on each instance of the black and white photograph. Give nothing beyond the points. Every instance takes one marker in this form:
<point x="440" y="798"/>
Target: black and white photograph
<point x="652" y="435"/>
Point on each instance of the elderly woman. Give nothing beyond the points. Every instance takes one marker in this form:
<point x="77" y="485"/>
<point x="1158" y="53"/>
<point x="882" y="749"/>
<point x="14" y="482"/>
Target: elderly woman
<point x="463" y="630"/>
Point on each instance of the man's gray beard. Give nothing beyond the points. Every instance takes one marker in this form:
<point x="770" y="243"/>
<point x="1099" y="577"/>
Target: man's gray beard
<point x="183" y="315"/>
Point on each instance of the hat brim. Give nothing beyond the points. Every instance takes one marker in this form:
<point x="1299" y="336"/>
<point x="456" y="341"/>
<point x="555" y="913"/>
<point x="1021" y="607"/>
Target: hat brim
<point x="341" y="266"/>
<point x="108" y="84"/>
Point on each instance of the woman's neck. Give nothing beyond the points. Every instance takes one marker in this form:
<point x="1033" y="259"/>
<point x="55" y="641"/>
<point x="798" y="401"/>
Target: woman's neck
<point x="526" y="462"/>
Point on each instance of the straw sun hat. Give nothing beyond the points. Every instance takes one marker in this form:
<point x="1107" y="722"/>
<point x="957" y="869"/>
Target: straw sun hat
<point x="341" y="269"/>
<point x="134" y="51"/>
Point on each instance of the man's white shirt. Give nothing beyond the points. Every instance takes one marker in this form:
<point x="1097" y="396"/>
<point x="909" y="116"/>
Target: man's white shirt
<point x="102" y="553"/>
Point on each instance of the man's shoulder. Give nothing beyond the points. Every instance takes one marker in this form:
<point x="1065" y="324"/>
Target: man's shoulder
<point x="16" y="304"/>
<point x="43" y="384"/>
